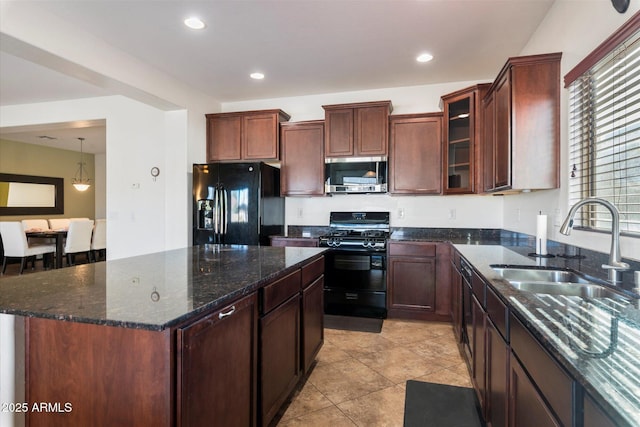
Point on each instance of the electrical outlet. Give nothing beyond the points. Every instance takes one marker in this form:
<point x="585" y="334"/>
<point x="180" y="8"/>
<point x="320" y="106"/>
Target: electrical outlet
<point x="452" y="214"/>
<point x="135" y="186"/>
<point x="518" y="215"/>
<point x="300" y="213"/>
<point x="401" y="213"/>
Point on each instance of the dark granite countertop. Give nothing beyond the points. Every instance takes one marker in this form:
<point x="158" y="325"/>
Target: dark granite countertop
<point x="154" y="291"/>
<point x="571" y="326"/>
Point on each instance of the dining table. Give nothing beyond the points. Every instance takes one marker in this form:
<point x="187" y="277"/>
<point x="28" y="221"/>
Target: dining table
<point x="58" y="235"/>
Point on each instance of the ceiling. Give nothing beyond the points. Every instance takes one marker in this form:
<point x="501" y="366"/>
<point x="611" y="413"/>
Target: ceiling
<point x="303" y="47"/>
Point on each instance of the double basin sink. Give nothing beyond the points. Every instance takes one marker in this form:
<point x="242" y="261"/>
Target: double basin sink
<point x="554" y="282"/>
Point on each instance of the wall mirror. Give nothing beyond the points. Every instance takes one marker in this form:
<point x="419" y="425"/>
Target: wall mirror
<point x="31" y="195"/>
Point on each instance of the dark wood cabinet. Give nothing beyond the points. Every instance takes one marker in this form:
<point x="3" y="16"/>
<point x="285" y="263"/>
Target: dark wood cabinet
<point x="522" y="120"/>
<point x="497" y="377"/>
<point x="359" y="129"/>
<point x="418" y="281"/>
<point x="312" y="322"/>
<point x="279" y="356"/>
<point x="415" y="154"/>
<point x="527" y="408"/>
<point x="478" y="362"/>
<point x="456" y="296"/>
<point x="250" y="135"/>
<point x="302" y="172"/>
<point x="462" y="155"/>
<point x="217" y="371"/>
<point x="594" y="416"/>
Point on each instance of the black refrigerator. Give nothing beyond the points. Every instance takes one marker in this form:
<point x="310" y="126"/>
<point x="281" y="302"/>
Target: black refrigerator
<point x="236" y="203"/>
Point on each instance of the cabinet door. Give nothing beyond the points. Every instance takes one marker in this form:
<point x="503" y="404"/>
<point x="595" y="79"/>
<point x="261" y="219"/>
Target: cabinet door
<point x="224" y="138"/>
<point x="415" y="160"/>
<point x="502" y="147"/>
<point x="489" y="142"/>
<point x="478" y="319"/>
<point x="497" y="387"/>
<point x="302" y="172"/>
<point x="456" y="301"/>
<point x="372" y="130"/>
<point x="526" y="407"/>
<point x="217" y="365"/>
<point x="594" y="416"/>
<point x="412" y="286"/>
<point x="260" y="136"/>
<point x="339" y="133"/>
<point x="312" y="322"/>
<point x="280" y="357"/>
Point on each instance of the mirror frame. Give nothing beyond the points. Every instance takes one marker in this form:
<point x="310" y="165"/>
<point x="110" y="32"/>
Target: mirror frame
<point x="58" y="208"/>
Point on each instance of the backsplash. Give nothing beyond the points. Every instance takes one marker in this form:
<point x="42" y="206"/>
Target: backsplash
<point x="564" y="255"/>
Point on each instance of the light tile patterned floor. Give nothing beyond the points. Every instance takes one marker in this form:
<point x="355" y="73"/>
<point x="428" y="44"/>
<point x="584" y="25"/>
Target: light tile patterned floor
<point x="360" y="377"/>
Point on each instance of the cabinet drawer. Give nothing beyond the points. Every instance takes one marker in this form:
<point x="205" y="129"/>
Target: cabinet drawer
<point x="498" y="313"/>
<point x="555" y="385"/>
<point x="479" y="289"/>
<point x="412" y="249"/>
<point x="312" y="271"/>
<point x="279" y="291"/>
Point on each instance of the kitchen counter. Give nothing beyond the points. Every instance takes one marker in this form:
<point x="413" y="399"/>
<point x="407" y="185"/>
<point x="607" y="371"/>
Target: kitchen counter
<point x="569" y="327"/>
<point x="155" y="291"/>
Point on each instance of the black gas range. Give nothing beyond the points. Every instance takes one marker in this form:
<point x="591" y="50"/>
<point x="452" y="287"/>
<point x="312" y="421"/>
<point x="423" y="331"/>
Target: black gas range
<point x="356" y="267"/>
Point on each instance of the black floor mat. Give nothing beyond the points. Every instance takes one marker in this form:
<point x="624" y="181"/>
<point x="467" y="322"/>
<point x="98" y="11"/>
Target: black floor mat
<point x="352" y="323"/>
<point x="439" y="405"/>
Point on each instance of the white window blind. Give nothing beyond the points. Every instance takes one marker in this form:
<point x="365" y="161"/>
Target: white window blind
<point x="604" y="138"/>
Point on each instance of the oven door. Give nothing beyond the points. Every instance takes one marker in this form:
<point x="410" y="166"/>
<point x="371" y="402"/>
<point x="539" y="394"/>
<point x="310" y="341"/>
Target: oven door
<point x="356" y="283"/>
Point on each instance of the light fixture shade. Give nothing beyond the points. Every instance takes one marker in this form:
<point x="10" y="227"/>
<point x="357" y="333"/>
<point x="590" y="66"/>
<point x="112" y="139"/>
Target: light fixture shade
<point x="81" y="187"/>
<point x="81" y="181"/>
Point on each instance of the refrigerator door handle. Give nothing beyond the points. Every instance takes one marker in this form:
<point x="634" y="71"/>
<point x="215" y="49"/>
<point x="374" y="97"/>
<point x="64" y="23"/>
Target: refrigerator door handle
<point x="215" y="212"/>
<point x="224" y="211"/>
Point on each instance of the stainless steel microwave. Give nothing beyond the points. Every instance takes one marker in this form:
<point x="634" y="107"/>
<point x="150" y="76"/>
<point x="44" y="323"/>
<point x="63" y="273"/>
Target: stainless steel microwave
<point x="355" y="175"/>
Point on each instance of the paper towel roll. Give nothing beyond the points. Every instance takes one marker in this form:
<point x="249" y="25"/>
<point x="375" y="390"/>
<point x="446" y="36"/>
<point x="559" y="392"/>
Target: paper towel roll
<point x="541" y="235"/>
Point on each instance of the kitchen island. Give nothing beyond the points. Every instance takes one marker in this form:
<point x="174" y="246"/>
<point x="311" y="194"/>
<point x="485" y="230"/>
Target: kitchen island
<point x="170" y="338"/>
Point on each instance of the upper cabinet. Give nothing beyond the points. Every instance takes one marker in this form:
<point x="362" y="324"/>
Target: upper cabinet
<point x="522" y="125"/>
<point x="302" y="172"/>
<point x="250" y="135"/>
<point x="357" y="129"/>
<point x="415" y="154"/>
<point x="462" y="155"/>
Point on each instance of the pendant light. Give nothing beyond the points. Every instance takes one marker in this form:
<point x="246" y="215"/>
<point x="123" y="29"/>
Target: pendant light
<point x="81" y="181"/>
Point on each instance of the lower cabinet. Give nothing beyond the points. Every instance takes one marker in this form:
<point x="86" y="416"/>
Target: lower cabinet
<point x="478" y="319"/>
<point x="217" y="369"/>
<point x="594" y="416"/>
<point x="279" y="356"/>
<point x="497" y="377"/>
<point x="418" y="281"/>
<point x="312" y="322"/>
<point x="527" y="408"/>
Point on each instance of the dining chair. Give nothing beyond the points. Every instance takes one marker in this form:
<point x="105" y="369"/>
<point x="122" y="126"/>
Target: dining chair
<point x="59" y="223"/>
<point x="15" y="244"/>
<point x="99" y="239"/>
<point x="35" y="225"/>
<point x="78" y="240"/>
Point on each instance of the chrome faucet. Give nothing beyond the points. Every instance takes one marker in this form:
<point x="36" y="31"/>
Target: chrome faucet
<point x="615" y="265"/>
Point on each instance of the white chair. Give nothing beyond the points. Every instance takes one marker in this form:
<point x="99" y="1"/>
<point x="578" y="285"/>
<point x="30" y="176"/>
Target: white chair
<point x="59" y="223"/>
<point x="99" y="238"/>
<point x="14" y="242"/>
<point x="35" y="225"/>
<point x="78" y="240"/>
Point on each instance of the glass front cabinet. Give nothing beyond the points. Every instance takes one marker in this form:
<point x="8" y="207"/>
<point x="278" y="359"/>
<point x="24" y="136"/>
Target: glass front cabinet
<point x="462" y="130"/>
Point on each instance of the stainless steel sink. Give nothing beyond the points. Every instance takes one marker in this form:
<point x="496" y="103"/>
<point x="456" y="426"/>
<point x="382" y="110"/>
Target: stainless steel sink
<point x="553" y="282"/>
<point x="569" y="289"/>
<point x="521" y="274"/>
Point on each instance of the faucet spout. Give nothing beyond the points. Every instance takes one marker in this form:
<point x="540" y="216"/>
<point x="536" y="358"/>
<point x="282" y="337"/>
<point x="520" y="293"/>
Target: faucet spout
<point x="615" y="265"/>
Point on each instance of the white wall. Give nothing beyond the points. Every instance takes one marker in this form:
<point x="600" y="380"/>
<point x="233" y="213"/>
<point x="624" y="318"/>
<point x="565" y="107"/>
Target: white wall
<point x="417" y="211"/>
<point x="574" y="28"/>
<point x="141" y="220"/>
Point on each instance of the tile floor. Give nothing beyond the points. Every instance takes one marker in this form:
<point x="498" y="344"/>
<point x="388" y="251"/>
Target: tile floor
<point x="360" y="377"/>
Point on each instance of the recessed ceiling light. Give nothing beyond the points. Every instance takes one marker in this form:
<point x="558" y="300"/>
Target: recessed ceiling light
<point x="256" y="76"/>
<point x="424" y="57"/>
<point x="194" y="23"/>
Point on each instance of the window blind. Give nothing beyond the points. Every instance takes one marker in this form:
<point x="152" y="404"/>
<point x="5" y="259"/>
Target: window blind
<point x="604" y="138"/>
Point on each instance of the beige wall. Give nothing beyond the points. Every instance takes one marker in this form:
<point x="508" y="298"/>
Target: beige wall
<point x="30" y="159"/>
